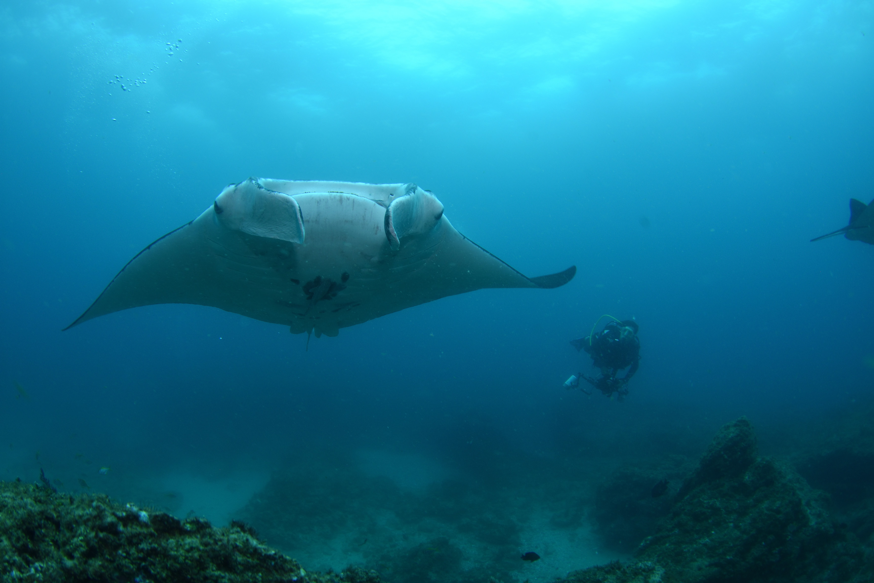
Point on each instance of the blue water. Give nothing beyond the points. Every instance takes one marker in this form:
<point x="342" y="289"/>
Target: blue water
<point x="681" y="154"/>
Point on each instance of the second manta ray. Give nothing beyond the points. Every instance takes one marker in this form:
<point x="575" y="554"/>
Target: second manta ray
<point x="314" y="256"/>
<point x="861" y="227"/>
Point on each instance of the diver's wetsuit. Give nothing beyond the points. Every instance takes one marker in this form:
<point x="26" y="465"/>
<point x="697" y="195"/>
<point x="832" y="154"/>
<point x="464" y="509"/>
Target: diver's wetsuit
<point x="616" y="347"/>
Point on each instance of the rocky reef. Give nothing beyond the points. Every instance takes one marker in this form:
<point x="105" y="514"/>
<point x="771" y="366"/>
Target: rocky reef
<point x="742" y="517"/>
<point x="733" y="516"/>
<point x="47" y="536"/>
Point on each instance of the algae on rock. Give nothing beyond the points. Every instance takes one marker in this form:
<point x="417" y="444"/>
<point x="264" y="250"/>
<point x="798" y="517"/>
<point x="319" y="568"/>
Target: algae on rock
<point x="741" y="517"/>
<point x="54" y="537"/>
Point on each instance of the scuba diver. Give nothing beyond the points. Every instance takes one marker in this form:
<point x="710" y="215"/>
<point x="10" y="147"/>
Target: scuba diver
<point x="614" y="348"/>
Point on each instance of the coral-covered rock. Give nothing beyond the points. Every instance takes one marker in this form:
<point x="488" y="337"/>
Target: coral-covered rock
<point x="730" y="454"/>
<point x="48" y="536"/>
<point x="740" y="517"/>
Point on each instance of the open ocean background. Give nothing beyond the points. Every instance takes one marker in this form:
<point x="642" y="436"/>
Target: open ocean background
<point x="680" y="153"/>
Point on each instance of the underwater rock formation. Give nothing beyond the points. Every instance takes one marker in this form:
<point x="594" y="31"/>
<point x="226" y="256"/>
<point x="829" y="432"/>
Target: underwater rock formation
<point x="740" y="517"/>
<point x="48" y="536"/>
<point x="736" y="517"/>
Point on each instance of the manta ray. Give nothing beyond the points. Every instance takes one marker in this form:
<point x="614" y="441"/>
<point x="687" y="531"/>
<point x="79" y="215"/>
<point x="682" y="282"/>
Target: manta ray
<point x="861" y="227"/>
<point x="313" y="256"/>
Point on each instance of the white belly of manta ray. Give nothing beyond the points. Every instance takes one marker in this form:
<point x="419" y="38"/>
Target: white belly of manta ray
<point x="314" y="256"/>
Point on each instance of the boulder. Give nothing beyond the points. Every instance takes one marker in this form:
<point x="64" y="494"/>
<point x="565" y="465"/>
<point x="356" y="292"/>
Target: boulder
<point x="47" y="536"/>
<point x="741" y="517"/>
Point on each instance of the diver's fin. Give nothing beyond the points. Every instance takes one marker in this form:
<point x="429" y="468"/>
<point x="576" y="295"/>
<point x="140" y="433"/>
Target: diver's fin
<point x="838" y="232"/>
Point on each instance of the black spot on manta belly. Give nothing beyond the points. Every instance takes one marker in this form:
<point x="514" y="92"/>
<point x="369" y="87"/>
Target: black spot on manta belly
<point x="324" y="288"/>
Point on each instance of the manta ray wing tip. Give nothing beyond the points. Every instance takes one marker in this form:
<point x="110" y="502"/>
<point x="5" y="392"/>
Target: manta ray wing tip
<point x="555" y="280"/>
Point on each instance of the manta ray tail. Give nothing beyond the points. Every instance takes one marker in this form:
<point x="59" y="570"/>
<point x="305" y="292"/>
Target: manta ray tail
<point x="834" y="234"/>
